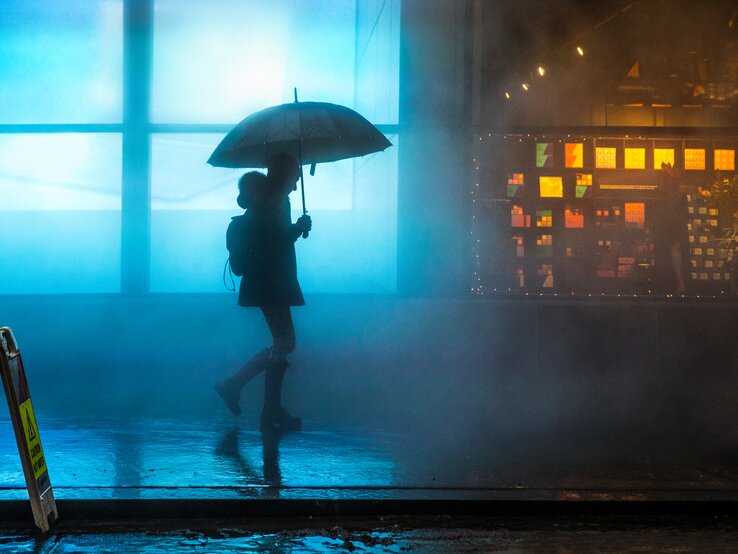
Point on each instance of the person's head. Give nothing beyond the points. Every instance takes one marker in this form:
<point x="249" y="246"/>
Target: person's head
<point x="284" y="171"/>
<point x="252" y="189"/>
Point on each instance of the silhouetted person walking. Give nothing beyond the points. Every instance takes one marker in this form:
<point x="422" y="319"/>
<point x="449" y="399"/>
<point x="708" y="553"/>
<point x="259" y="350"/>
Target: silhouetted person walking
<point x="266" y="237"/>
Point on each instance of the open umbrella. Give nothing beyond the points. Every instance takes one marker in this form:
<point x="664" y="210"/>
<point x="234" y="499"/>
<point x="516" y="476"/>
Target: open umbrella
<point x="312" y="132"/>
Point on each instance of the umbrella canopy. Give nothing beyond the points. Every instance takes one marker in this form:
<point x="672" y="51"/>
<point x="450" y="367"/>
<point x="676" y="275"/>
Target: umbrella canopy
<point x="313" y="132"/>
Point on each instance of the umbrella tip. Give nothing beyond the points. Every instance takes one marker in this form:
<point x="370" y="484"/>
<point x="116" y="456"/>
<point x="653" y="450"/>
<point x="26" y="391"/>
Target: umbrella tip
<point x="295" y="94"/>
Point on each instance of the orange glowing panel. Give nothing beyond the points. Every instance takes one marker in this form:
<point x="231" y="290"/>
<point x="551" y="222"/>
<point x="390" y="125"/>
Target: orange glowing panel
<point x="605" y="157"/>
<point x="635" y="158"/>
<point x="725" y="160"/>
<point x="663" y="156"/>
<point x="518" y="217"/>
<point x="635" y="214"/>
<point x="574" y="155"/>
<point x="694" y="158"/>
<point x="551" y="187"/>
<point x="573" y="218"/>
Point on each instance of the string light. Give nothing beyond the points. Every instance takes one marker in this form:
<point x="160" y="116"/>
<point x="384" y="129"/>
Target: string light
<point x="525" y="86"/>
<point x="507" y="95"/>
<point x="580" y="51"/>
<point x="541" y="70"/>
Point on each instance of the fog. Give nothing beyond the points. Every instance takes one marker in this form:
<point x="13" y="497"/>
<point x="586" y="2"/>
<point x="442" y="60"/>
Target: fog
<point x="389" y="338"/>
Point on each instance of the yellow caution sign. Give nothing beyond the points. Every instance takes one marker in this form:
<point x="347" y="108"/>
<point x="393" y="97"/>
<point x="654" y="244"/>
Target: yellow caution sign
<point x="33" y="441"/>
<point x="26" y="432"/>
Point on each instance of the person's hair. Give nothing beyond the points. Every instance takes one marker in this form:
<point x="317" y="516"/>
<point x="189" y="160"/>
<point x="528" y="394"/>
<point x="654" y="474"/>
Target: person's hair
<point x="251" y="189"/>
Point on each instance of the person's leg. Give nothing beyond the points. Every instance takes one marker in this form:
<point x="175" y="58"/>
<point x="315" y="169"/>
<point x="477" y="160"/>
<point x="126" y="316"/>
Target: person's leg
<point x="280" y="324"/>
<point x="230" y="387"/>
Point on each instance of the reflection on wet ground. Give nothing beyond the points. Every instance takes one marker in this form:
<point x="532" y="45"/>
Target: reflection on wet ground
<point x="221" y="457"/>
<point x="432" y="535"/>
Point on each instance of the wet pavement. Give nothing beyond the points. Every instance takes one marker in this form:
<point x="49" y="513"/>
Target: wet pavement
<point x="433" y="535"/>
<point x="223" y="458"/>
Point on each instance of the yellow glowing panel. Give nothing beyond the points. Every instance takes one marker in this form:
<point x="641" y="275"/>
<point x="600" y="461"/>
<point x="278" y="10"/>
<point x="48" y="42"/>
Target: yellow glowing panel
<point x="605" y="157"/>
<point x="725" y="160"/>
<point x="635" y="214"/>
<point x="635" y="158"/>
<point x="694" y="158"/>
<point x="663" y="156"/>
<point x="551" y="187"/>
<point x="574" y="155"/>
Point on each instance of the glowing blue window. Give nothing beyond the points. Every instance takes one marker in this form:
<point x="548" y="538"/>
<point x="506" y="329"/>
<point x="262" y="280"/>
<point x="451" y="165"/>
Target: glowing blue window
<point x="219" y="61"/>
<point x="60" y="199"/>
<point x="353" y="204"/>
<point x="61" y="61"/>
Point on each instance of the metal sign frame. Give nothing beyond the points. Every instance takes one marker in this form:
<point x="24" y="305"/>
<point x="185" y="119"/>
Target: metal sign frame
<point x="26" y="432"/>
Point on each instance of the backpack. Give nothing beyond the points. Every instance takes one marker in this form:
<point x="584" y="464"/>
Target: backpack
<point x="237" y="244"/>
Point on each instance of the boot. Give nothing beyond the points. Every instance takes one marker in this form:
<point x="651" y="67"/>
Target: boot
<point x="274" y="417"/>
<point x="230" y="388"/>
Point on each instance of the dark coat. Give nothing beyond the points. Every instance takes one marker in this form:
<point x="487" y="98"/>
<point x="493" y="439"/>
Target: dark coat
<point x="270" y="275"/>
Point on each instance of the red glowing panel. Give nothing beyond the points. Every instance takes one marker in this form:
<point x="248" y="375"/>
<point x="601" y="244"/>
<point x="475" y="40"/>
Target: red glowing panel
<point x="518" y="217"/>
<point x="574" y="155"/>
<point x="573" y="218"/>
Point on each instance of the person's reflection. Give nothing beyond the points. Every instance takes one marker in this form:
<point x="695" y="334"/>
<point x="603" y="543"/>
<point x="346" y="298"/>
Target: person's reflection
<point x="270" y="447"/>
<point x="229" y="449"/>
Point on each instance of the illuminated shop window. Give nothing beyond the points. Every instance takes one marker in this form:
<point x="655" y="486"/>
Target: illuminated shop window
<point x="635" y="158"/>
<point x="544" y="154"/>
<point x="663" y="156"/>
<point x="635" y="214"/>
<point x="551" y="187"/>
<point x="605" y="157"/>
<point x="574" y="155"/>
<point x="544" y="218"/>
<point x="584" y="185"/>
<point x="514" y="182"/>
<point x="694" y="158"/>
<point x="518" y="217"/>
<point x="573" y="218"/>
<point x="725" y="160"/>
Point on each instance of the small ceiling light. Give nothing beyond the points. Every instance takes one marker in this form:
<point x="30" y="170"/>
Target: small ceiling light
<point x="580" y="51"/>
<point x="525" y="86"/>
<point x="541" y="71"/>
<point x="507" y="95"/>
